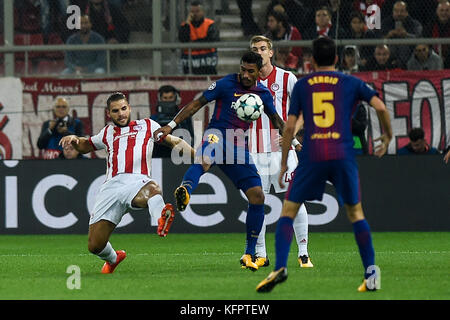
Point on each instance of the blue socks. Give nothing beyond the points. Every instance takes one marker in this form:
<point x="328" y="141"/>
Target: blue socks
<point x="283" y="239"/>
<point x="363" y="238"/>
<point x="192" y="177"/>
<point x="253" y="222"/>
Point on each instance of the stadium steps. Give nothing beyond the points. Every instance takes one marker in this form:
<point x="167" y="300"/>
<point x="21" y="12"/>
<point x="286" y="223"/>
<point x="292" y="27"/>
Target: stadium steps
<point x="231" y="30"/>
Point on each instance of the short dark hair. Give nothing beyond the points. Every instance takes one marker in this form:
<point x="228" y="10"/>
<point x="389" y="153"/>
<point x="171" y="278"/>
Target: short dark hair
<point x="253" y="58"/>
<point x="357" y="14"/>
<point x="416" y="134"/>
<point x="324" y="51"/>
<point x="116" y="96"/>
<point x="280" y="17"/>
<point x="196" y="3"/>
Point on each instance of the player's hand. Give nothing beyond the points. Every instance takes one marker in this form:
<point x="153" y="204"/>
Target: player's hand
<point x="298" y="147"/>
<point x="162" y="132"/>
<point x="67" y="140"/>
<point x="381" y="149"/>
<point x="447" y="157"/>
<point x="283" y="170"/>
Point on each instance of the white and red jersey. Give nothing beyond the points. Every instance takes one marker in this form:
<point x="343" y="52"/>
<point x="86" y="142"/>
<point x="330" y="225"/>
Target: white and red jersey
<point x="129" y="149"/>
<point x="263" y="136"/>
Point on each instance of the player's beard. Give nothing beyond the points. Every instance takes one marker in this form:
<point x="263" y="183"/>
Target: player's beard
<point x="247" y="86"/>
<point x="120" y="125"/>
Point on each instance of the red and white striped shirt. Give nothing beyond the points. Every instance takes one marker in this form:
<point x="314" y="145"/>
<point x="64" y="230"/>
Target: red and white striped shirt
<point x="263" y="136"/>
<point x="129" y="149"/>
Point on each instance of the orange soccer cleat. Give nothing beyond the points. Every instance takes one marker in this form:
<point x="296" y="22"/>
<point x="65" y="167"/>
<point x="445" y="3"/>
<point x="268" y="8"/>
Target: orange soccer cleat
<point x="164" y="223"/>
<point x="109" y="267"/>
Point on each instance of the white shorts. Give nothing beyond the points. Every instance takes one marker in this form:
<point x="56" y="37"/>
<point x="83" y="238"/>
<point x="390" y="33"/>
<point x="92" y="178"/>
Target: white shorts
<point x="268" y="165"/>
<point x="115" y="196"/>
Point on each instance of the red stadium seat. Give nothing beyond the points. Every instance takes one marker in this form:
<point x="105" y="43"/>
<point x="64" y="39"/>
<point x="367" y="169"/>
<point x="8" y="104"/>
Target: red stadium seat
<point x="54" y="39"/>
<point x="50" y="66"/>
<point x="28" y="39"/>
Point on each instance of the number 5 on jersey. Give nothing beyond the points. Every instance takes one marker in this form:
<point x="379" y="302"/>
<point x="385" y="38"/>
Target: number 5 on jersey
<point x="324" y="113"/>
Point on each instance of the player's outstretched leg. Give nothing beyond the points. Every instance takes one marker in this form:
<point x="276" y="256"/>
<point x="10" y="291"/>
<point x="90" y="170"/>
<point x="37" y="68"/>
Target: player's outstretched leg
<point x="165" y="222"/>
<point x="301" y="234"/>
<point x="190" y="182"/>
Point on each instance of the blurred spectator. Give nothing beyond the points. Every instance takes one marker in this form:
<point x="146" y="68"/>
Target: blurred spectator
<point x="424" y="58"/>
<point x="401" y="25"/>
<point x="279" y="28"/>
<point x="108" y="21"/>
<point x="197" y="28"/>
<point x="53" y="130"/>
<point x="284" y="59"/>
<point x="323" y="25"/>
<point x="248" y="24"/>
<point x="85" y="61"/>
<point x="169" y="101"/>
<point x="307" y="64"/>
<point x="359" y="125"/>
<point x="27" y="16"/>
<point x="340" y="12"/>
<point x="297" y="12"/>
<point x="439" y="27"/>
<point x="70" y="153"/>
<point x="349" y="62"/>
<point x="417" y="144"/>
<point x="381" y="60"/>
<point x="358" y="30"/>
<point x="419" y="10"/>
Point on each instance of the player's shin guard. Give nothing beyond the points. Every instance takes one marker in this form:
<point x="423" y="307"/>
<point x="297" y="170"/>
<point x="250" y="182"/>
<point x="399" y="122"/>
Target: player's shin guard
<point x="254" y="222"/>
<point x="300" y="226"/>
<point x="155" y="206"/>
<point x="283" y="239"/>
<point x="363" y="238"/>
<point x="108" y="254"/>
<point x="192" y="177"/>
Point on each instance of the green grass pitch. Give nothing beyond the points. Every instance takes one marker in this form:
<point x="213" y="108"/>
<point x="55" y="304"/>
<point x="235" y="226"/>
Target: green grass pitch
<point x="414" y="265"/>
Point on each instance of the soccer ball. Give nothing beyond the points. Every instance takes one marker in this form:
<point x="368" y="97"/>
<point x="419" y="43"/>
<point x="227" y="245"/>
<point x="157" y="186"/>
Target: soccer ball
<point x="249" y="107"/>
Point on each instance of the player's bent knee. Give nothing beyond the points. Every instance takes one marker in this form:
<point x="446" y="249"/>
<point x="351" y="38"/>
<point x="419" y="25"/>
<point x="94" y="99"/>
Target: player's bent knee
<point x="354" y="212"/>
<point x="255" y="195"/>
<point x="147" y="191"/>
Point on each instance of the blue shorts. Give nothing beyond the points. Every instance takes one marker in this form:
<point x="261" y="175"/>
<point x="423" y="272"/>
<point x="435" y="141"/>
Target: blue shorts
<point x="310" y="179"/>
<point x="234" y="161"/>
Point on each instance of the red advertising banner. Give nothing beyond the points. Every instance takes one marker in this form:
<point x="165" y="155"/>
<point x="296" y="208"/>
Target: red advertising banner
<point x="414" y="99"/>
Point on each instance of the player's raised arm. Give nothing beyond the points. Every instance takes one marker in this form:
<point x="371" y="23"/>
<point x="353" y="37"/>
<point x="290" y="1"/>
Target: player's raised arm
<point x="186" y="112"/>
<point x="81" y="144"/>
<point x="178" y="144"/>
<point x="383" y="116"/>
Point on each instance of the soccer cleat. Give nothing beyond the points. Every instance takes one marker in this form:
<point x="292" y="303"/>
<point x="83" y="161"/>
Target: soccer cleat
<point x="164" y="223"/>
<point x="109" y="267"/>
<point x="274" y="278"/>
<point x="247" y="262"/>
<point x="181" y="198"/>
<point x="305" y="262"/>
<point x="363" y="287"/>
<point x="262" y="262"/>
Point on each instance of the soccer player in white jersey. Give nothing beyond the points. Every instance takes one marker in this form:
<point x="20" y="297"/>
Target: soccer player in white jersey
<point x="128" y="185"/>
<point x="266" y="151"/>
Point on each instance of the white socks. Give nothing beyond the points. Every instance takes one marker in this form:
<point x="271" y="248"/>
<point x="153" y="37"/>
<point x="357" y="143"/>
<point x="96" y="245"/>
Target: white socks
<point x="108" y="254"/>
<point x="301" y="230"/>
<point x="301" y="234"/>
<point x="155" y="206"/>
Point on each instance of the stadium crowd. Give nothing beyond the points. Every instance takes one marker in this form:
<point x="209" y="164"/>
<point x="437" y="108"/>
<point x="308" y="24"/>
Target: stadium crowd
<point x="43" y="22"/>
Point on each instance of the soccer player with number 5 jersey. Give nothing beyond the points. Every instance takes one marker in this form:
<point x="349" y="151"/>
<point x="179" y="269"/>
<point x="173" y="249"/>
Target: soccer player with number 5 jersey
<point x="327" y="101"/>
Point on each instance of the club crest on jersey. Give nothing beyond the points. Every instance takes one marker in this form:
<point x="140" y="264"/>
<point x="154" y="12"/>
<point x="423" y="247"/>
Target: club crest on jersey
<point x="274" y="86"/>
<point x="212" y="86"/>
<point x="212" y="138"/>
<point x="137" y="127"/>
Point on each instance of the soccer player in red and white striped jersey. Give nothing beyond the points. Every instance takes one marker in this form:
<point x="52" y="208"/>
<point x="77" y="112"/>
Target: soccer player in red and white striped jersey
<point x="265" y="147"/>
<point x="128" y="185"/>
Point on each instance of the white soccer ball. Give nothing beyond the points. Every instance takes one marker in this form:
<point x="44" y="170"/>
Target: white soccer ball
<point x="249" y="107"/>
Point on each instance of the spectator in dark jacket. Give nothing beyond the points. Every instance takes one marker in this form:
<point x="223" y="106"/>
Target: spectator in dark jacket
<point x="381" y="60"/>
<point x="439" y="27"/>
<point x="417" y="144"/>
<point x="53" y="130"/>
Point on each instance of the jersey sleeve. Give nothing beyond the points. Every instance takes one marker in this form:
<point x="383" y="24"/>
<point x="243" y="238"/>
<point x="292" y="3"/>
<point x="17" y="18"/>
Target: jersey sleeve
<point x="267" y="99"/>
<point x="292" y="80"/>
<point x="97" y="140"/>
<point x="155" y="126"/>
<point x="214" y="90"/>
<point x="295" y="104"/>
<point x="365" y="92"/>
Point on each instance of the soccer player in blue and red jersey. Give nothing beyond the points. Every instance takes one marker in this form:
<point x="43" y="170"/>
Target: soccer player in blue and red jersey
<point x="327" y="100"/>
<point x="225" y="144"/>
